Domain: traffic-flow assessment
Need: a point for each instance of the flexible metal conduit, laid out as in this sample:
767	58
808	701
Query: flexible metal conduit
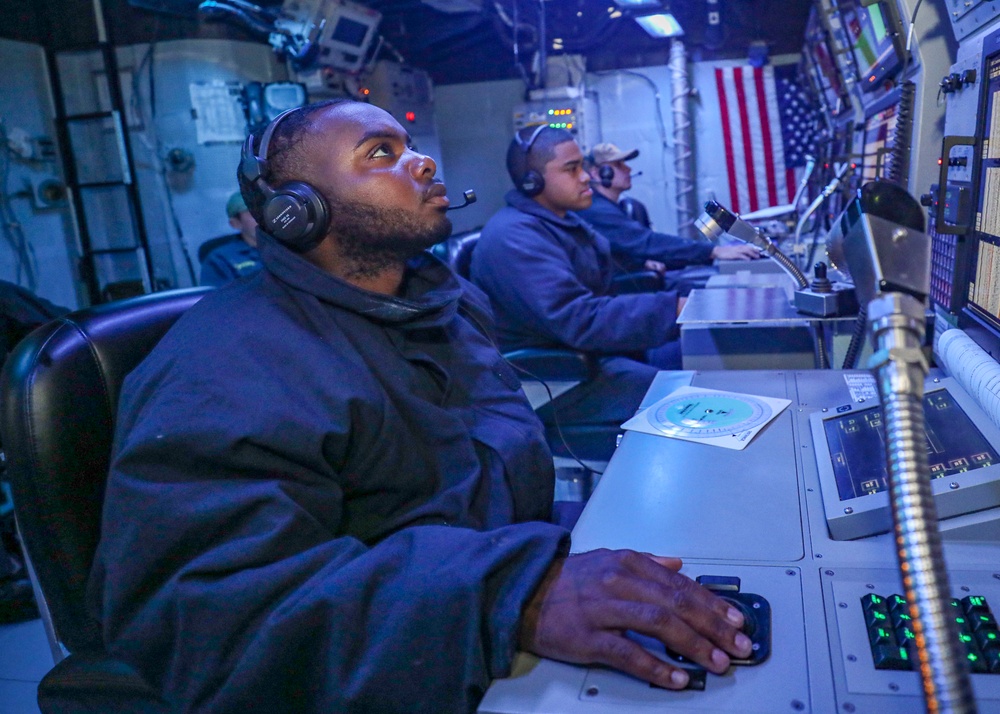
683	157
897	323
785	262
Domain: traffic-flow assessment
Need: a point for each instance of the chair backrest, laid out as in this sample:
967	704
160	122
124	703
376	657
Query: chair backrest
635	210
462	257
457	251
59	393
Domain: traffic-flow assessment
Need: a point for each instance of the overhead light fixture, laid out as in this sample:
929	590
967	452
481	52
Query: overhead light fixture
660	25
639	4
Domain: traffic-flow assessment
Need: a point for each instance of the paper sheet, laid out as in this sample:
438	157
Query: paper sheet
708	416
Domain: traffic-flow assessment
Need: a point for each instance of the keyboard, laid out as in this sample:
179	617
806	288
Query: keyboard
892	640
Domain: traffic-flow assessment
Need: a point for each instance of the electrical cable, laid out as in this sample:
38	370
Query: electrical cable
819	346
155	148
857	340
13	231
481	328
516	43
555	415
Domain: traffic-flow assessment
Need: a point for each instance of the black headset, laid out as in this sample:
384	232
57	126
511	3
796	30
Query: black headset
531	182
294	212
607	174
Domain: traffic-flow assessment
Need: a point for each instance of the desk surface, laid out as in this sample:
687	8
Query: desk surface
757	514
760	305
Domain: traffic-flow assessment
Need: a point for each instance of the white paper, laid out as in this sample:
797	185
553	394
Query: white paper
218	113
708	416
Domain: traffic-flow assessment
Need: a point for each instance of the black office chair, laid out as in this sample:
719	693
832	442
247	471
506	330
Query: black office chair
636	210
59	391
554	367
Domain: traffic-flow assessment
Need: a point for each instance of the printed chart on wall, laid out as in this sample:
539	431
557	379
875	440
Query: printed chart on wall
712	417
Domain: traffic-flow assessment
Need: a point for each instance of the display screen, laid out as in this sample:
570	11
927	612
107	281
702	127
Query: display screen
824	68
984	289
874	41
350	32
880	130
857	445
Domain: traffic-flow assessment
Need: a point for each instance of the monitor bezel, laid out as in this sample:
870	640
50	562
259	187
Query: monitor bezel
872	78
817	27
955	495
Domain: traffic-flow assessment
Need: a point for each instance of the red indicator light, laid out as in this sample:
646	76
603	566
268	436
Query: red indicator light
365	91
410	116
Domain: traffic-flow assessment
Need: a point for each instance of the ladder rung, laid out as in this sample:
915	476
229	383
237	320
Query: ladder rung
101	184
88	116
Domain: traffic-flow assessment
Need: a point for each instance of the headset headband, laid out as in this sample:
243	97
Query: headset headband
527	144
265	140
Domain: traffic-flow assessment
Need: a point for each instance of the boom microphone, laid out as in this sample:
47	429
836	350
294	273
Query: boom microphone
470	198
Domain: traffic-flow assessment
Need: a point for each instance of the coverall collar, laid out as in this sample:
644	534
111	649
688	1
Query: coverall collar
430	291
532	207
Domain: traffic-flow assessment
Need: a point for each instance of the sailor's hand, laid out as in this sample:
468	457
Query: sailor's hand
741	251
586	602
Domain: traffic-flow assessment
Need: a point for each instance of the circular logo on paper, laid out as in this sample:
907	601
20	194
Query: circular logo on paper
709	414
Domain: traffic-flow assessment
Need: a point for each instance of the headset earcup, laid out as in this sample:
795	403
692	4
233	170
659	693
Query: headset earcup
532	183
607	175
297	216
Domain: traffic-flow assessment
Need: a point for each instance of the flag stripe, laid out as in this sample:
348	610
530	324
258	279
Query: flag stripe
774	126
727	137
764	105
741	100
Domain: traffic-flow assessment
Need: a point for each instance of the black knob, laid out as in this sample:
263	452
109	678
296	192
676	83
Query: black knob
951	83
821	283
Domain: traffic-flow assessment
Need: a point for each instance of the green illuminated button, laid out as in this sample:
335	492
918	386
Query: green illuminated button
898	603
982	622
977	664
881	636
988	639
975	605
889	657
877	618
992	659
905	634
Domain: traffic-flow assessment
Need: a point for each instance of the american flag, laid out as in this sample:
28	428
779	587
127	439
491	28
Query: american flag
768	126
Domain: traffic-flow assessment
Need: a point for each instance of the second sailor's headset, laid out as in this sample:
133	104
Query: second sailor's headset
530	183
293	212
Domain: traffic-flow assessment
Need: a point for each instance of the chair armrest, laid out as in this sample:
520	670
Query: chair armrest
646	281
95	682
552	364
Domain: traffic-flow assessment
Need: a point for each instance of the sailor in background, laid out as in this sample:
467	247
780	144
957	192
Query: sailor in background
634	244
232	256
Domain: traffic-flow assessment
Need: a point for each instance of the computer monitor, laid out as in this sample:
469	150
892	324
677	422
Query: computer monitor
878	137
876	37
823	67
963	448
349	30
